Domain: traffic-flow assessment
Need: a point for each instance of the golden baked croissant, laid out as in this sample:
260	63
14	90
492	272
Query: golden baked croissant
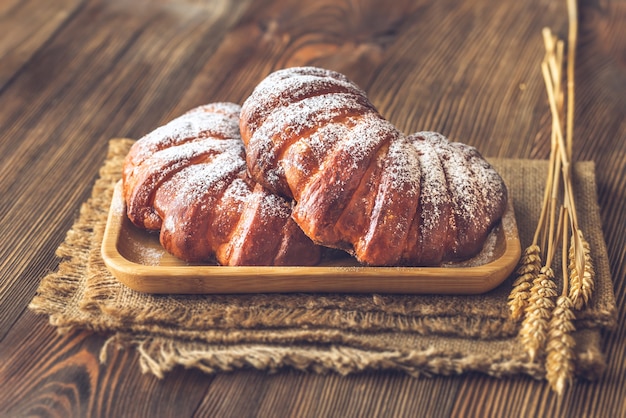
188	179
358	183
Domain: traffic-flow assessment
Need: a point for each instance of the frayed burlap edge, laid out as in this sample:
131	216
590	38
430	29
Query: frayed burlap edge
60	294
160	355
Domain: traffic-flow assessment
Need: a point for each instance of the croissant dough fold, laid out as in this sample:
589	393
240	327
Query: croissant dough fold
188	179
358	183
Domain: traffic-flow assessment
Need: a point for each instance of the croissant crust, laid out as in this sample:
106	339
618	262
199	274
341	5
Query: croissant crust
358	183
188	179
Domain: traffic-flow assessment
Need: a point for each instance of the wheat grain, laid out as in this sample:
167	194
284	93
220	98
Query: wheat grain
560	346
533	332
581	286
527	271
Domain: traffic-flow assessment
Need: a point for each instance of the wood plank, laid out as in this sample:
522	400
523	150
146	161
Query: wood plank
272	35
478	82
44	373
298	394
19	41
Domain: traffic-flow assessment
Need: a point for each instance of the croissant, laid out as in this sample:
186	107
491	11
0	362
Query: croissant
358	183
188	179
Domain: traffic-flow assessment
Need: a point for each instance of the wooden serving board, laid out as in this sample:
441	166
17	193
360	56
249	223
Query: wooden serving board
136	258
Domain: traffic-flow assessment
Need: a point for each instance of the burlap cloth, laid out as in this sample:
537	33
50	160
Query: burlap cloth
420	335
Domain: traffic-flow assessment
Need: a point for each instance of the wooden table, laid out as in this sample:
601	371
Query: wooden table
74	73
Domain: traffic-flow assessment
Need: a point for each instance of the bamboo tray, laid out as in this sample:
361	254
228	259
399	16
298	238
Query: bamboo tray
136	258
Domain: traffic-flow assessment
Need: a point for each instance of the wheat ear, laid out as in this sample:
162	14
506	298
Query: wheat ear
533	332
527	271
560	346
581	285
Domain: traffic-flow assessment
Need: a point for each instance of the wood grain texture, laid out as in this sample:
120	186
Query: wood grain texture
62	377
20	42
74	73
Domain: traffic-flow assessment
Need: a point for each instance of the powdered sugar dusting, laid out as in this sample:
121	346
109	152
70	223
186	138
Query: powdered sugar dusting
148	176
147	256
477	191
403	167
302	120
197	180
298	118
492	187
364	135
434	194
238	191
191	150
219	121
291	85
325	131
464	190
359	139
182	173
273	206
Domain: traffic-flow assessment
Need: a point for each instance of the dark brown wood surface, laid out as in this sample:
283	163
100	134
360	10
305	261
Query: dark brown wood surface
74	73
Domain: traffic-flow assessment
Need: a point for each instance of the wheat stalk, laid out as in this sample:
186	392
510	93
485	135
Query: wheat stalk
530	263
534	290
572	12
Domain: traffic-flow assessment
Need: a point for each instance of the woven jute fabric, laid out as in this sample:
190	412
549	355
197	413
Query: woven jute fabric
345	333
